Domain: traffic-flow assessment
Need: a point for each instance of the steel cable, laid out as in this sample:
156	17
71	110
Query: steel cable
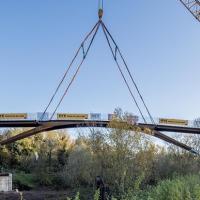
75	74
123	76
128	70
66	72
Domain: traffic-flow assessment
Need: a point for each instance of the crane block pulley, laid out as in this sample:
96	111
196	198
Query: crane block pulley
100	11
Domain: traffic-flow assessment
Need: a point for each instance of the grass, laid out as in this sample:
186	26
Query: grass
23	181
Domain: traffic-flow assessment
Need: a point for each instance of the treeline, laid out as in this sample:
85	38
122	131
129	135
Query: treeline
127	161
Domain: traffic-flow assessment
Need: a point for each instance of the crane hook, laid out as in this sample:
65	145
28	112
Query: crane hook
100	12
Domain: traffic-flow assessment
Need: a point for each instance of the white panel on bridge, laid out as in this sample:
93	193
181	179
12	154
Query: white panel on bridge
5	182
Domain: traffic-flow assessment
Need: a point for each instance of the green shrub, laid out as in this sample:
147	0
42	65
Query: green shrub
24	181
96	195
44	179
187	188
77	197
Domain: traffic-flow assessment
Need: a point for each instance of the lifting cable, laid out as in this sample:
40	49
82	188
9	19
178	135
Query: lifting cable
114	53
78	69
69	67
124	78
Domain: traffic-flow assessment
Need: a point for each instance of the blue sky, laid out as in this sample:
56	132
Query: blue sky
160	41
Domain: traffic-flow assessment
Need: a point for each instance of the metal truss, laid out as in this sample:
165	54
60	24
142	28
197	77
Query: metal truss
193	6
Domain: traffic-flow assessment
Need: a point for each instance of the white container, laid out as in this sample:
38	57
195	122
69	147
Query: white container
5	182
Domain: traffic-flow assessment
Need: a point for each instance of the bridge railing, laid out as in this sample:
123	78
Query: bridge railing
95	116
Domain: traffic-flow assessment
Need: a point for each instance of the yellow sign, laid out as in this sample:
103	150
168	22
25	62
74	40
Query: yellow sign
67	116
173	121
13	116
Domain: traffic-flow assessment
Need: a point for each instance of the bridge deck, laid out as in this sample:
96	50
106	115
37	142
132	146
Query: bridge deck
42	126
82	123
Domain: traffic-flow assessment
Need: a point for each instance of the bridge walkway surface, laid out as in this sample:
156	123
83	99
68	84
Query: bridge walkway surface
62	124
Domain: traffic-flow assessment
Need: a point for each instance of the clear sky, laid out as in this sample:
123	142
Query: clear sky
160	40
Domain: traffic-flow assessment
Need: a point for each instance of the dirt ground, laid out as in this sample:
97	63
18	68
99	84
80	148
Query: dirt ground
34	195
